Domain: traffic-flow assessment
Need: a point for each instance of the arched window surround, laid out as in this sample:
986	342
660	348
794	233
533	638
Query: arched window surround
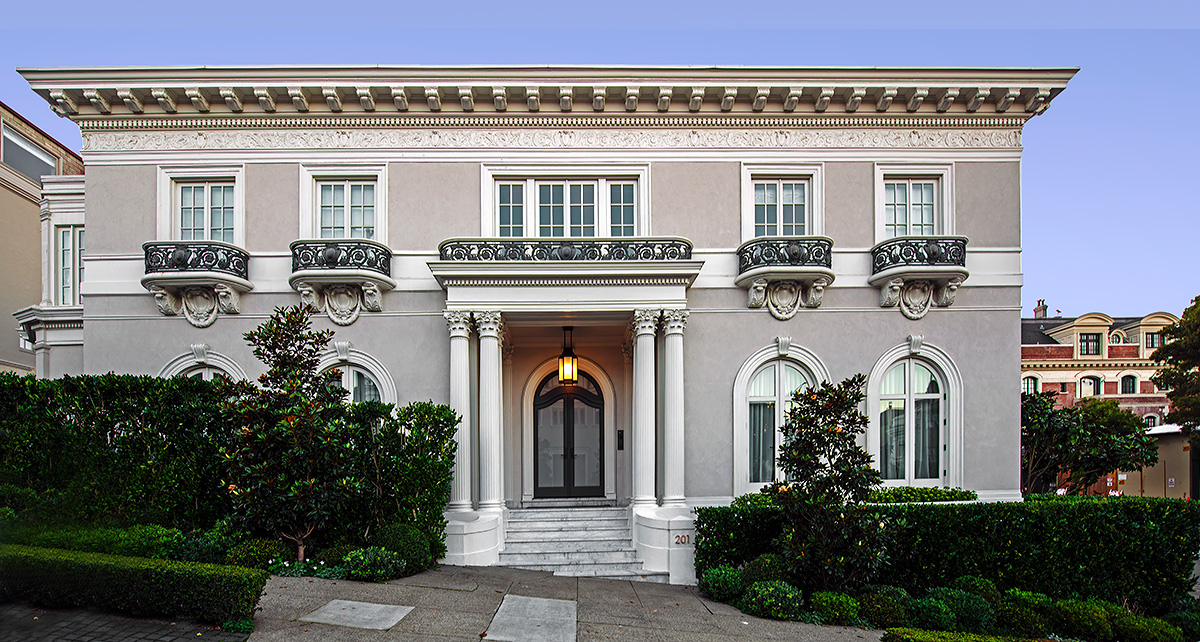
781	349
201	356
344	355
1099	387
945	367
1037	382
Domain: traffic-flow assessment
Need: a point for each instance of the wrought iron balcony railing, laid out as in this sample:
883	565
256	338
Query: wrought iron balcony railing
341	254
797	251
573	249
912	251
196	256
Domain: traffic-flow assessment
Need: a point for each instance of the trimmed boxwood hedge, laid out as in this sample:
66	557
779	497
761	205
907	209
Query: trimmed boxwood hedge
134	585
918	635
1139	550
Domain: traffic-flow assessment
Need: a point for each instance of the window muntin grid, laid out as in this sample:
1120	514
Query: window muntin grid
911	416
1029	385
780	207
206	211
1129	385
566	208
346	209
70	263
1089	343
909	207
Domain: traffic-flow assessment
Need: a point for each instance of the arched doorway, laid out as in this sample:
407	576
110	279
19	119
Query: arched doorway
568	436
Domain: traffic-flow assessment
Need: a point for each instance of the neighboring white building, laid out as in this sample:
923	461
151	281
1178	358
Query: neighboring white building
715	237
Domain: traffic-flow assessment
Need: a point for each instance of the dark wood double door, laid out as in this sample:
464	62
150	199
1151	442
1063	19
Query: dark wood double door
568	433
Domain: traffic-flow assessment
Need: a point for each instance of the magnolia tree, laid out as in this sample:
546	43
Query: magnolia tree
1180	375
831	540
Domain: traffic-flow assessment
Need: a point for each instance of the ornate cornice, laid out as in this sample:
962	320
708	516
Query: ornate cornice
551	138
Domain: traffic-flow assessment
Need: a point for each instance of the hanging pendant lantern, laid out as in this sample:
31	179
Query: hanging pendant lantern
568	363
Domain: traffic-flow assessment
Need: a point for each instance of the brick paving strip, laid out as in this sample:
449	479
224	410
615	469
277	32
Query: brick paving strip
21	622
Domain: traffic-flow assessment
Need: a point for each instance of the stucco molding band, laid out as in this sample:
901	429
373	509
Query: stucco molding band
540	139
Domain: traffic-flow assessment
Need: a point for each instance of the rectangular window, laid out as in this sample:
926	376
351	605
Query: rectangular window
206	212
1089	343
909	207
70	263
566	208
1153	339
347	209
780	207
21	154
1128	385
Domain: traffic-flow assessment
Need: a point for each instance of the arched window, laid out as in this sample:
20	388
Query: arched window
1090	387
360	383
1151	421
1129	385
769	396
911	418
1029	385
206	372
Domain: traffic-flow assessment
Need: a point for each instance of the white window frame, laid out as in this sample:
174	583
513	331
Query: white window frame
1146	420
343	357
942	175
310	205
74	234
1037	383
493	175
811	173
1099	388
910	397
8	135
171	178
781	399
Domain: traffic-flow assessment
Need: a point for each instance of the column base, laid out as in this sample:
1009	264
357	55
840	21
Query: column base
459	506
473	538
643	501
665	540
674	502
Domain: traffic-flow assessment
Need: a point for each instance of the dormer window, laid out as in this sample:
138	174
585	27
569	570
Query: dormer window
1089	343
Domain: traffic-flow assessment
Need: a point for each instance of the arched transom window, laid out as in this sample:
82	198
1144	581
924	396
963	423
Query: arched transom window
769	396
207	372
362	386
1089	387
911	421
1029	385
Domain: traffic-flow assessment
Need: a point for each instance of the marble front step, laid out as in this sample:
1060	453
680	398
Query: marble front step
575	514
524	525
580	542
592	544
585	569
570	557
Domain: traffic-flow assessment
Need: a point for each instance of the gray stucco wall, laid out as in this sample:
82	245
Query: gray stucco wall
272	204
430	202
698	201
121	208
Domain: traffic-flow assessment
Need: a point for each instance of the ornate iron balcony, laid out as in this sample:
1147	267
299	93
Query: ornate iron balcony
196	256
574	249
933	251
813	251
341	254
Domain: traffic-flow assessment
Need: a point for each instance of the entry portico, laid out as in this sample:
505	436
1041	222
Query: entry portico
621	297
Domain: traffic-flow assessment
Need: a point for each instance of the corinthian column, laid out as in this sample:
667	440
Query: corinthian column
491	492
460	401
674	322
644	323
47	255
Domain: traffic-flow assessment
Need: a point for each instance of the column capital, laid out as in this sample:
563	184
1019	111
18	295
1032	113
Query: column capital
645	321
675	320
459	322
489	324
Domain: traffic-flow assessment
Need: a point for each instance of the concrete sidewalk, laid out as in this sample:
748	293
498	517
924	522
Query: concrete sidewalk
465	603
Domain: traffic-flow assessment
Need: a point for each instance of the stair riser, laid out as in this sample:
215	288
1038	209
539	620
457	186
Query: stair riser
568	536
587	557
582	513
577	570
568	546
529	525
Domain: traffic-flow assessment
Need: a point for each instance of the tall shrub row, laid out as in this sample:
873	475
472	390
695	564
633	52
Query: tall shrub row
1127	549
129	449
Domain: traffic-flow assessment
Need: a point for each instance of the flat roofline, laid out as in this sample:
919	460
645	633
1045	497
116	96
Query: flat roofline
41	131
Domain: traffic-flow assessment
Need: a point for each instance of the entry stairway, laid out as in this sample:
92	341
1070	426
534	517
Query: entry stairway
576	542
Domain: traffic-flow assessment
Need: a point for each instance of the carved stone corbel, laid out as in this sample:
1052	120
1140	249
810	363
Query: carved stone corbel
342	303
943	295
229	300
889	294
310	296
758	294
168	304
814	293
372	297
199	305
783	299
916	297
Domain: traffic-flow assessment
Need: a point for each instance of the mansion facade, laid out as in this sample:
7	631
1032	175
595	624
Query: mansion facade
704	241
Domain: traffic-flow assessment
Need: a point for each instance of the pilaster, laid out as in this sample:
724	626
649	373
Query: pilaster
673	322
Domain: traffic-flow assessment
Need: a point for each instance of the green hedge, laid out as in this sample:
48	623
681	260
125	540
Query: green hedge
1125	549
137	541
133	585
909	494
918	635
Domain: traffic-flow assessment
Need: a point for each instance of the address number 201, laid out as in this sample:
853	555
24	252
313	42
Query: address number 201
681	539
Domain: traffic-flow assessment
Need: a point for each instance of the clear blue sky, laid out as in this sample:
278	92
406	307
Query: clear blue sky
1111	221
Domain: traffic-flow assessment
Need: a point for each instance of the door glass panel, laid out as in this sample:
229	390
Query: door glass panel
763	384
925	436
762	441
587	454
551	471
891	437
923	380
893	381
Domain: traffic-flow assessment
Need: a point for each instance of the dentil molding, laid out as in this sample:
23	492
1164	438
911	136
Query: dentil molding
550	139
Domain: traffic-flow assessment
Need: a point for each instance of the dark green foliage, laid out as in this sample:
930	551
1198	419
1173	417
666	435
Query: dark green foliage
984	588
373	564
335	554
911	494
122	448
1132	628
406	541
312	568
733	536
135	541
1186	621
238	626
767	567
211	546
1135	550
776	600
1020	621
830	540
881	611
931	613
896	593
972	613
258	553
133	585
1037	602
1081	619
16	497
752	500
835	608
723	584
919	635
1179	357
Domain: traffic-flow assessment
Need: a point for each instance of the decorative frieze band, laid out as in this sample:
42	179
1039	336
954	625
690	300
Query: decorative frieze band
551	139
